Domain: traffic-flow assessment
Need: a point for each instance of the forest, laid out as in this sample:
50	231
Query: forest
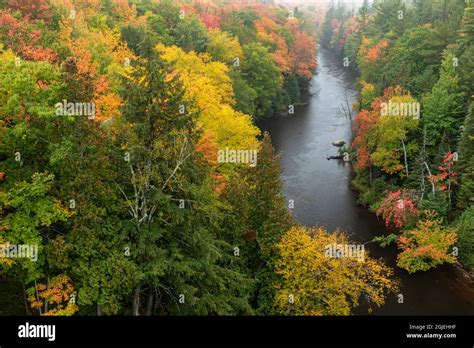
417	53
134	179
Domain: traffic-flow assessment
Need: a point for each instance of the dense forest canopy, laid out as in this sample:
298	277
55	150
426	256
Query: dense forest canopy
131	163
412	143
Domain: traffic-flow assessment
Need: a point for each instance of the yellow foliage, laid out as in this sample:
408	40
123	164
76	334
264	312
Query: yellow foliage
5	262
209	89
314	283
223	47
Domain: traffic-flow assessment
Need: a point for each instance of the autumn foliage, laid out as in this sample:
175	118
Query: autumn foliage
57	297
314	284
427	245
398	208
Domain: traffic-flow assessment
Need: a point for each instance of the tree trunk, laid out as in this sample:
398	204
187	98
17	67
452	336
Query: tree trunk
99	310
37	298
405	157
370	175
422	182
149	306
449	188
46	307
136	301
25	301
432	181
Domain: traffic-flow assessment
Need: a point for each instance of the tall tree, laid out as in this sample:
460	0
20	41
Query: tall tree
173	222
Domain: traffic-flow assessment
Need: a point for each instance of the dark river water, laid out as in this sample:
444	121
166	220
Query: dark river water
322	196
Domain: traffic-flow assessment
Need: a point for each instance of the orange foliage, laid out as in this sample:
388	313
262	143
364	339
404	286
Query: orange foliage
32	9
23	39
303	56
365	121
208	148
372	52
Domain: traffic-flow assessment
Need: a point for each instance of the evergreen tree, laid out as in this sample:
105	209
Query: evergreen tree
182	266
443	107
467	27
465	195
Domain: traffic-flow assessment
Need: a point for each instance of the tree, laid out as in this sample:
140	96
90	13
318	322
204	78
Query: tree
57	297
210	89
244	94
292	88
165	190
241	23
211	21
413	62
465	242
224	48
466	34
32	9
21	36
443	106
256	219
190	34
302	53
314	283
262	75
398	208
426	246
387	16
381	135
465	194
29	215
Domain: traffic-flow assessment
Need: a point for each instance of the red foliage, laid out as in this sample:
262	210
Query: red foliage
335	23
446	175
363	124
302	54
211	21
398	208
23	39
32	9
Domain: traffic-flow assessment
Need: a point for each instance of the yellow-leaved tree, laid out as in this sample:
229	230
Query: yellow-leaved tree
224	48
209	88
313	282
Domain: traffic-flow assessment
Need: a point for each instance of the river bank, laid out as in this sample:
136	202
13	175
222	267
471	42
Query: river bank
322	193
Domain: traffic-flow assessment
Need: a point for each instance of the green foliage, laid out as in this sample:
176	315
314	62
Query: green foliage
442	108
244	94
436	202
164	170
292	88
29	213
414	61
386	240
465	229
259	219
262	75
190	34
465	194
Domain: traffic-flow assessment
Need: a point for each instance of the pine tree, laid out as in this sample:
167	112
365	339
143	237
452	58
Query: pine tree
259	219
466	34
183	267
442	108
465	195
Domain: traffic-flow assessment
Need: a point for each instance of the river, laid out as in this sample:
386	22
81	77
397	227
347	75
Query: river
322	196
